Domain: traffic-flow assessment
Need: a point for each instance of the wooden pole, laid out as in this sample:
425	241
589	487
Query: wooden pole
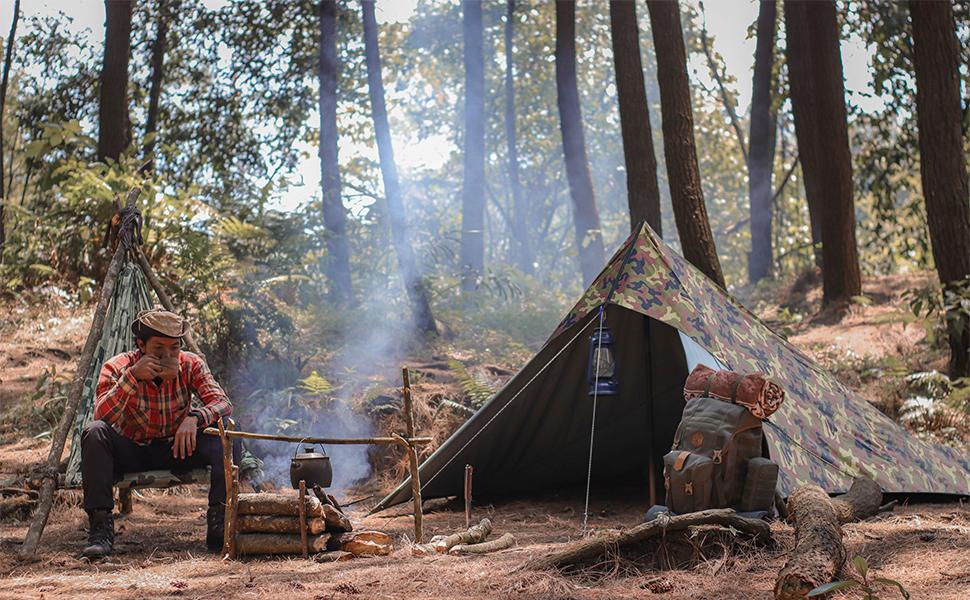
146	268
46	501
227	472
412	456
315	440
468	496
303	540
234	512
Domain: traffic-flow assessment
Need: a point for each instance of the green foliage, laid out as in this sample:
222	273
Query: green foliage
868	586
477	391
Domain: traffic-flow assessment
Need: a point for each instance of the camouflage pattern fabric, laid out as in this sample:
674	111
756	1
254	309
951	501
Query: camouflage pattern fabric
823	433
131	296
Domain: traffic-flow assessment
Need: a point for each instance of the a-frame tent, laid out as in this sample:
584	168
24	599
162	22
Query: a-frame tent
666	316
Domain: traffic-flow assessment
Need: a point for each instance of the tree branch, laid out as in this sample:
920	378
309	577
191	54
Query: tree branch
725	95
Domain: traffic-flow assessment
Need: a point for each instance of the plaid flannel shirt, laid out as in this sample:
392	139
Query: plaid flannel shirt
143	411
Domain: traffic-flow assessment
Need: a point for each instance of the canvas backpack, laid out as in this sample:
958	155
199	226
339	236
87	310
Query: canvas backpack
707	465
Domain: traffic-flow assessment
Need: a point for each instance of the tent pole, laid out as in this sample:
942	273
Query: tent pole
46	501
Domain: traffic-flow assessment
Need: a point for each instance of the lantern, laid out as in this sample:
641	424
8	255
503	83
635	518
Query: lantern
601	367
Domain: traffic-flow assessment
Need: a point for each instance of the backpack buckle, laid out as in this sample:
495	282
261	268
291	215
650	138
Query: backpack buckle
716	459
689	488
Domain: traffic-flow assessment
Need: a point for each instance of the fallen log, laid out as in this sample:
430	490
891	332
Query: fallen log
819	553
363	543
599	545
506	541
268	503
279	524
276	543
473	535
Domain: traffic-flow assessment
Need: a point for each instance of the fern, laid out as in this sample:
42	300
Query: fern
316	384
477	392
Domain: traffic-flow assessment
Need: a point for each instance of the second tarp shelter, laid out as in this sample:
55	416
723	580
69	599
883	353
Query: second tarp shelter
666	316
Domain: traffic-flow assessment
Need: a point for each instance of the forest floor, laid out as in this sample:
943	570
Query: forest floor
926	547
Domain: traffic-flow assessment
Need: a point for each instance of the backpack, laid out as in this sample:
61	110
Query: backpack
708	462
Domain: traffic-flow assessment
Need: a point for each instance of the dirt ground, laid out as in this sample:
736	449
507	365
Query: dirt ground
161	551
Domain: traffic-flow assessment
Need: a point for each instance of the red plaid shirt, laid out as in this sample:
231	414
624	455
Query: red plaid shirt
143	411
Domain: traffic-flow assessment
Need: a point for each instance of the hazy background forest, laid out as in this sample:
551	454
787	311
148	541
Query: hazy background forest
217	116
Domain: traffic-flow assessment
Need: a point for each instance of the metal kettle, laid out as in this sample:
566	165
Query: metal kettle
312	467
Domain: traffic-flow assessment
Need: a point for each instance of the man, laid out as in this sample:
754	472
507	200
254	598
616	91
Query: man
144	419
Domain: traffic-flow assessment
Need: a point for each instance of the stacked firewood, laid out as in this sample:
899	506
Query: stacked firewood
273	523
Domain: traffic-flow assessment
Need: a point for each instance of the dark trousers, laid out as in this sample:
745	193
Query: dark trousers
107	455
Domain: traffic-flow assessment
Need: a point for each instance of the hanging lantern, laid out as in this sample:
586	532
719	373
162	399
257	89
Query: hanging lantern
601	367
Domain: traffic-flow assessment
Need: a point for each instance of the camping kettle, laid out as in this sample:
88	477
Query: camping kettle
312	467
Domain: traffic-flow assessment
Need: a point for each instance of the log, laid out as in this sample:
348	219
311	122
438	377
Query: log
276	543
270	503
472	535
819	553
365	543
599	545
336	521
506	541
279	524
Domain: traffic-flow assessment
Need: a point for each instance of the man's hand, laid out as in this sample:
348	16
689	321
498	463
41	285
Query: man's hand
184	444
147	368
169	368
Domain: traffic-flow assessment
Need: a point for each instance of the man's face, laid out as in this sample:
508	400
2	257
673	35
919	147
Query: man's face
163	348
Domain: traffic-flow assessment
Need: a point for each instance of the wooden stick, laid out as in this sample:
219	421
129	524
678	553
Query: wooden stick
468	496
46	501
234	519
146	268
412	457
473	535
315	440
506	541
227	473
303	542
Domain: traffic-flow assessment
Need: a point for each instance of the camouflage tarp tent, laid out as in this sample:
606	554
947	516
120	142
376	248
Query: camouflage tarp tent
665	317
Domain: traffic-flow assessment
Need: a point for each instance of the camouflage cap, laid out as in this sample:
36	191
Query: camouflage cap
164	322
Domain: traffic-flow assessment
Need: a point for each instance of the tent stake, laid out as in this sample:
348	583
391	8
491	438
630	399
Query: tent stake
468	495
46	501
412	456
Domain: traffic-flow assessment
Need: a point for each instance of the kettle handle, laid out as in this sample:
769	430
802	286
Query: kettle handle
300	443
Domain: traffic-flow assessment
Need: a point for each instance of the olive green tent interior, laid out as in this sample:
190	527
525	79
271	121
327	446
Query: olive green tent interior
665	317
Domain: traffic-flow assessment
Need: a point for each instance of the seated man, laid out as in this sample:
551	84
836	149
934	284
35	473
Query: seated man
144	420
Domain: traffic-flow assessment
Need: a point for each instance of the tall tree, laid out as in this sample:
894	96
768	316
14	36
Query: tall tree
943	164
413	284
167	9
472	250
589	236
818	103
7	60
114	124
334	214
761	156
677	116
520	210
643	191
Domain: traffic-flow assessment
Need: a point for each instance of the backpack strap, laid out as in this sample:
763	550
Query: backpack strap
707	386
734	390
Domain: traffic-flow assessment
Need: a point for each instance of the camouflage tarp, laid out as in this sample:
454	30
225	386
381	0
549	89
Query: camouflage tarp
534	434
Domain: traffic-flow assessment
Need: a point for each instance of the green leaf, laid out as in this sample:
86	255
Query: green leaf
35	148
832	587
861	566
891	582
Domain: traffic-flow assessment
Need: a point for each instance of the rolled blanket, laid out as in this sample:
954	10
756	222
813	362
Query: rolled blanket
754	391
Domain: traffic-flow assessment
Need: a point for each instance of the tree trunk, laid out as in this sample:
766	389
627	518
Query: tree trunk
334	214
943	164
683	175
413	284
166	11
472	250
114	125
589	236
520	209
761	156
818	102
7	59
642	189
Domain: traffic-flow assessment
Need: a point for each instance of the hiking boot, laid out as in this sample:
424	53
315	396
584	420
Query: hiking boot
215	527
101	534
